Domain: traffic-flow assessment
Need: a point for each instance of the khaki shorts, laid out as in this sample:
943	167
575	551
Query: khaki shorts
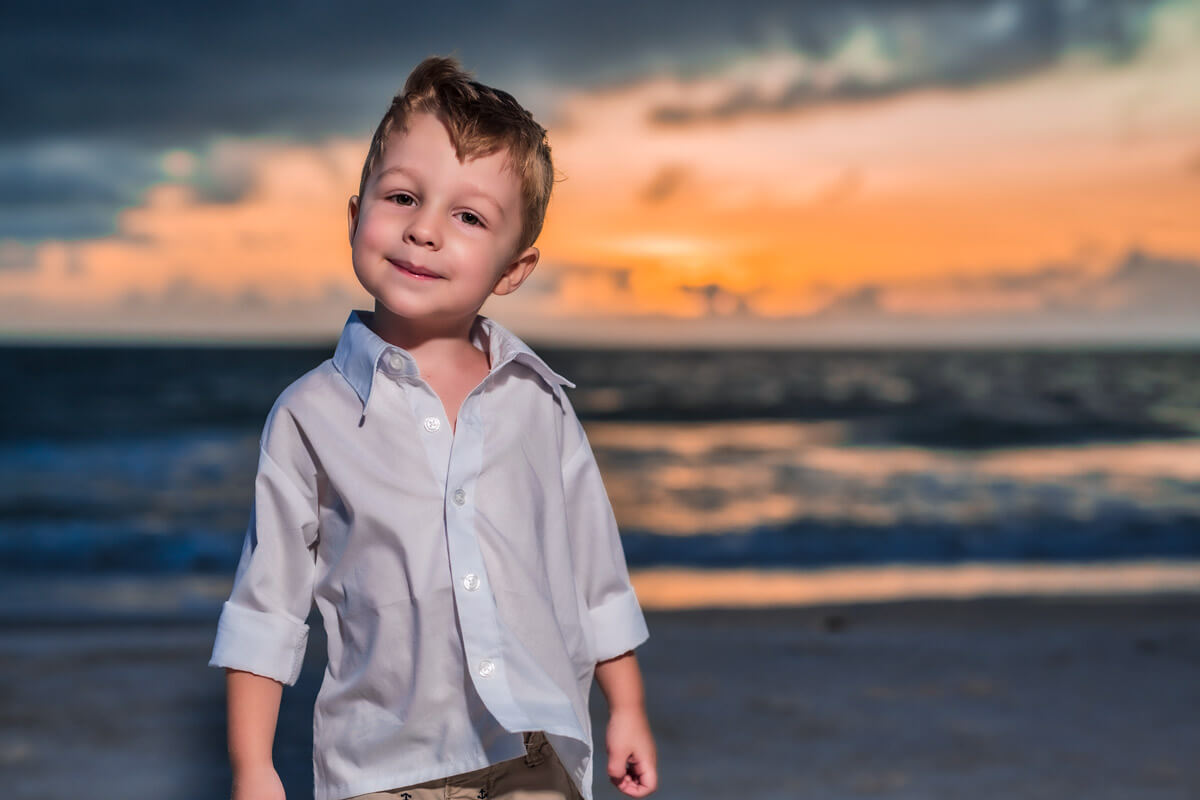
537	775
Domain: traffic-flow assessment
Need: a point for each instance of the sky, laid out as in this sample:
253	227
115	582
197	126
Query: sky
752	173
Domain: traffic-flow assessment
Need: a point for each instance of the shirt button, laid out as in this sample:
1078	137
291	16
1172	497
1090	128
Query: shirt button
432	424
471	581
395	360
460	497
486	667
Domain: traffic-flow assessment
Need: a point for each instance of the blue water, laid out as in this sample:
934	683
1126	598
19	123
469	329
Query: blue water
141	459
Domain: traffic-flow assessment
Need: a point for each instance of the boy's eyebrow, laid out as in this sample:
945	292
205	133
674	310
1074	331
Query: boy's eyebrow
471	188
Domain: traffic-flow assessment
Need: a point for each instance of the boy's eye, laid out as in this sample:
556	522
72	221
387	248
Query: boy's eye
469	218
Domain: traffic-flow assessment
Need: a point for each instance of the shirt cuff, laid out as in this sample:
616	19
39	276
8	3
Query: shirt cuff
618	625
256	641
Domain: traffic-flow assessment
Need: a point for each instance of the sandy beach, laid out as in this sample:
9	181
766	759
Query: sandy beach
999	698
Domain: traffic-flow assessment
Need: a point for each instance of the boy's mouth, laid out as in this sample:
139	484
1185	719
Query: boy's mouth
414	270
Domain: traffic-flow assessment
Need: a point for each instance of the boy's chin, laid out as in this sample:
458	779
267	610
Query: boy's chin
383	309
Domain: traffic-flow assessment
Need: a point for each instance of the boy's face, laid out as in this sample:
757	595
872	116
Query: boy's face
459	222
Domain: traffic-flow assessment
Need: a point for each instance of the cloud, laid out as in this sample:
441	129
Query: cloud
69	189
1144	283
15	255
888	51
861	301
1140	286
668	180
119	90
618	277
719	301
284	238
844	223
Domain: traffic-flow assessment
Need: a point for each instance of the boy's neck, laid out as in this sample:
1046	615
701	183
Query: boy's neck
429	341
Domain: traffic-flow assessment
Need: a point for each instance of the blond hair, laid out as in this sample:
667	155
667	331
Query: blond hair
480	121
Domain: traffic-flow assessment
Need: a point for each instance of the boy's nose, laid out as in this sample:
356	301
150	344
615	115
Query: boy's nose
421	235
422	227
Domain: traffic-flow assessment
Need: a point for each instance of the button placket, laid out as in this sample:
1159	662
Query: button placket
477	609
428	414
481	628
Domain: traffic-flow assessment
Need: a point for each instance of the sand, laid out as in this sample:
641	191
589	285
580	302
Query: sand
1003	698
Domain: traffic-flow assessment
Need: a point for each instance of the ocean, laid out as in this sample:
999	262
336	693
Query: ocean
127	462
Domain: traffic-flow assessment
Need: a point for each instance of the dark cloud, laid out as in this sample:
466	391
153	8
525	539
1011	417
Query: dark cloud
67	220
173	74
1139	286
949	46
668	180
17	256
251	298
721	302
122	83
69	189
1041	279
862	300
1139	282
618	275
1155	284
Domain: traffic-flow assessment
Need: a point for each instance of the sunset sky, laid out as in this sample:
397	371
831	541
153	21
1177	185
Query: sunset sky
749	173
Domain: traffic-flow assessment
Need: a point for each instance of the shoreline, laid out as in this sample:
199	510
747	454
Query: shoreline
1032	697
32	599
782	613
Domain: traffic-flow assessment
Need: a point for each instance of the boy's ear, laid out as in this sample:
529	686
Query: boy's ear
517	271
352	216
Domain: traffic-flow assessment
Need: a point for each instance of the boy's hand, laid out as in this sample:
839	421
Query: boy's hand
260	782
632	759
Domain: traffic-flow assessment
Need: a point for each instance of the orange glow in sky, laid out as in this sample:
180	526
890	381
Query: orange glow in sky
780	214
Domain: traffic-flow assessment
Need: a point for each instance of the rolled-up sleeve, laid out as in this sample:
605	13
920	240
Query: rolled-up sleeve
614	623
261	628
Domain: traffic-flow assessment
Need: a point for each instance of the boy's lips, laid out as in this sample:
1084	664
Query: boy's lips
414	269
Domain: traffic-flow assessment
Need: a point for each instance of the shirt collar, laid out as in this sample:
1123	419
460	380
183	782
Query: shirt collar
359	350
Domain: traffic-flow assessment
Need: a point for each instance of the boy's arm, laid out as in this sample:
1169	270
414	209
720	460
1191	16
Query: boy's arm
262	626
621	681
262	633
253	710
632	756
613	619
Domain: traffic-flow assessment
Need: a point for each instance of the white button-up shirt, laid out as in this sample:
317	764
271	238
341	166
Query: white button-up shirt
468	580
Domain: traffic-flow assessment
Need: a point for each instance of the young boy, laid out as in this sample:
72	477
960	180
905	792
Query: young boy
431	490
